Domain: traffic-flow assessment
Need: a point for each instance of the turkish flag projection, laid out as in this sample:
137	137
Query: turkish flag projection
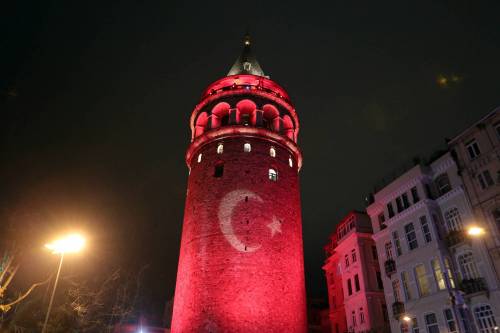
241	261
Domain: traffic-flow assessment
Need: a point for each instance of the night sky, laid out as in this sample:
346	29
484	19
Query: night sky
95	99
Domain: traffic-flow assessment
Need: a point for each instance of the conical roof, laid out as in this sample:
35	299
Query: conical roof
246	62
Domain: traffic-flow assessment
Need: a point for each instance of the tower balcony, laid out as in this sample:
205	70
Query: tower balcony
390	267
472	286
398	309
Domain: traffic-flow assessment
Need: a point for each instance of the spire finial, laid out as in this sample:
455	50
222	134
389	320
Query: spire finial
246	63
246	39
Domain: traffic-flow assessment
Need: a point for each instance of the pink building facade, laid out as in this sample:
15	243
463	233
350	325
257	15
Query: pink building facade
353	264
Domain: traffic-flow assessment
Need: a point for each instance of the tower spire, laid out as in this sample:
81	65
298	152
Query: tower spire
246	62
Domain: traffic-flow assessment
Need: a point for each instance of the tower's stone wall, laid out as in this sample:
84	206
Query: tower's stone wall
241	264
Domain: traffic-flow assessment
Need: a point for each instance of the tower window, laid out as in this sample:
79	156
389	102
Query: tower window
273	175
290	162
220	148
199	157
247	148
219	170
272	152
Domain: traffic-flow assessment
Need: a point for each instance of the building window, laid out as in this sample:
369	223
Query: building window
468	267
405	278
443	183
424	287
220	148
388	250
380	284
485	179
453	220
374	253
361	316
414	326
353	255
199	157
272	152
399	204
346	260
219	170
356	282
290	162
485	319
450	321
411	236
349	287
438	274
390	210
381	220
431	323
425	229
247	147
353	313
397	243
414	195
406	202
464	318
396	290
273	175
449	272
473	149
496	217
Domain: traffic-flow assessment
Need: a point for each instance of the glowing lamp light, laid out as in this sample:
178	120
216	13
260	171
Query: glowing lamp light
407	319
475	231
70	244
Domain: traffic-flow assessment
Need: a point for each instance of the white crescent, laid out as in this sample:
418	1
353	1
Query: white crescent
226	207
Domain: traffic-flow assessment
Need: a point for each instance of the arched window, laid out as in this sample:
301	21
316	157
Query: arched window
272	152
290	162
453	220
199	157
247	148
220	148
273	175
468	267
219	170
485	319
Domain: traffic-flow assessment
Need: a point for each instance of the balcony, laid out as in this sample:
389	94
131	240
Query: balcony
390	267
398	309
455	237
472	286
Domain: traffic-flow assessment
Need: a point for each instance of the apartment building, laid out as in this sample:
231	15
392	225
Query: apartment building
436	276
354	280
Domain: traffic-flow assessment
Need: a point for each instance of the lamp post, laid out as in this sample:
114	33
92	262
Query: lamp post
69	244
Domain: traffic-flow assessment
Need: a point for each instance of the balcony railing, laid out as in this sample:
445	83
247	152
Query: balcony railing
390	267
398	309
455	237
471	286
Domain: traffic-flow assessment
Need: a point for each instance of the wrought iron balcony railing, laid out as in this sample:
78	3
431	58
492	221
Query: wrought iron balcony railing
455	237
471	286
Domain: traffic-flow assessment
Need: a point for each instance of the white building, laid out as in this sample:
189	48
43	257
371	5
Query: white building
477	150
419	222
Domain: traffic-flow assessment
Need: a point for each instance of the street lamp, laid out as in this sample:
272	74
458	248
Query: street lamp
475	231
69	244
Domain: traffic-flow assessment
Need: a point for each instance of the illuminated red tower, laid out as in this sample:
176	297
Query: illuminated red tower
241	260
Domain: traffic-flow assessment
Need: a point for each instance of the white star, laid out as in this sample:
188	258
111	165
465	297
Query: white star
274	226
